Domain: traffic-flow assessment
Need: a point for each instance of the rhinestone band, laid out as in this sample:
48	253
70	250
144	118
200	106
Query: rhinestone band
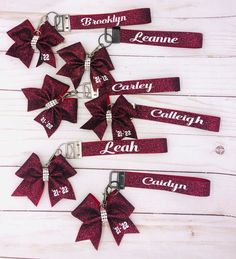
108	116
34	41
87	62
103	215
45	174
51	104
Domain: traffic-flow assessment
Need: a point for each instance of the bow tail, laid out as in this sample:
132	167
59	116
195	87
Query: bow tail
46	55
120	227
92	232
32	188
101	79
58	189
50	120
123	129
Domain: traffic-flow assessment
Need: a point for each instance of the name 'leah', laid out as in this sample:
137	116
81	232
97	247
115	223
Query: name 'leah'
141	38
86	21
121	87
110	148
174	115
174	186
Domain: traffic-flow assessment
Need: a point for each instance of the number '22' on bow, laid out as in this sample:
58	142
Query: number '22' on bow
116	211
27	39
34	178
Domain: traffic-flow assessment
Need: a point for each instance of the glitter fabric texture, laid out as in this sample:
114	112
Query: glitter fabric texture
32	186
22	49
64	109
118	211
121	113
100	65
180	184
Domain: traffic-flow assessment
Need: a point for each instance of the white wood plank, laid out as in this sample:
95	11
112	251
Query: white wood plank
198	76
52	235
163	8
217	32
13	110
95	181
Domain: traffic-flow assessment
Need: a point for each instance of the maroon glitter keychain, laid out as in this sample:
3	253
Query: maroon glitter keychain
115	209
27	39
174	39
120	116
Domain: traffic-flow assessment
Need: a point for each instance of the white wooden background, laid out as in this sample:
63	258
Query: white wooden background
171	225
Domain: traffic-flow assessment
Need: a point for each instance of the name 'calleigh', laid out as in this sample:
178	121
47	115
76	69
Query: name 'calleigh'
86	21
174	186
141	38
174	115
110	148
121	87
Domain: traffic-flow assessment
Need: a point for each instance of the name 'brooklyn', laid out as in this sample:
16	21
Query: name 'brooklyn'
86	21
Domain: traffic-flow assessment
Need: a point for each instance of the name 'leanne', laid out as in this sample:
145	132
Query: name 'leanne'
141	38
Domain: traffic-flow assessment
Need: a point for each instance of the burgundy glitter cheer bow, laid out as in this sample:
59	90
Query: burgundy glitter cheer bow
57	106
27	39
116	211
77	61
34	175
120	114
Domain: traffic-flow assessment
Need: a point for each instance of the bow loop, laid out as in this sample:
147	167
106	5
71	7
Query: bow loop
32	167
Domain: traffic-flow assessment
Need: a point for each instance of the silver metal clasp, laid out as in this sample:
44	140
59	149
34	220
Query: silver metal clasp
62	22
117	180
73	150
88	91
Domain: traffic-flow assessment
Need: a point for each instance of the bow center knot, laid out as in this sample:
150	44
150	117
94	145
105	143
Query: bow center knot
103	215
51	103
87	62
34	41
108	116
45	174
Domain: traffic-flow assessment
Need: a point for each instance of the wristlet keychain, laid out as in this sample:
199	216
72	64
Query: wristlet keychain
174	39
121	113
57	170
61	103
116	209
45	36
